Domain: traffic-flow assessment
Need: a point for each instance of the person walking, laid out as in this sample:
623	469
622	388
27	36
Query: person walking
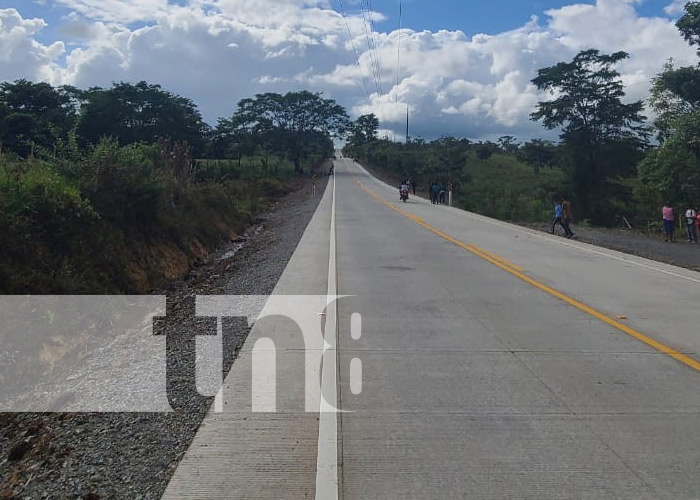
443	192
434	193
669	217
413	186
691	221
558	216
568	211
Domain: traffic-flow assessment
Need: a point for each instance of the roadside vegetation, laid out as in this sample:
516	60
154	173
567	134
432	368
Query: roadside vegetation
119	190
616	165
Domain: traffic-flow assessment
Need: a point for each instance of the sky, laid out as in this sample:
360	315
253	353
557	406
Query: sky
461	67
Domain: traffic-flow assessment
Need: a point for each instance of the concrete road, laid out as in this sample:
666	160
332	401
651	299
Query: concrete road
497	363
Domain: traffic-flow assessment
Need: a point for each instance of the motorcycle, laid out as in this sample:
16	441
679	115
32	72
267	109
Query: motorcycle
404	195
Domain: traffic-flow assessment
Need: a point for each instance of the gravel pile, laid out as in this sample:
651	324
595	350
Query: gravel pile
132	456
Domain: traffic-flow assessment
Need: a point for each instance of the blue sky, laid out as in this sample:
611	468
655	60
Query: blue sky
456	83
470	16
481	16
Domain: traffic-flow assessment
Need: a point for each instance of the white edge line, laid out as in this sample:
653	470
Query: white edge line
581	246
327	457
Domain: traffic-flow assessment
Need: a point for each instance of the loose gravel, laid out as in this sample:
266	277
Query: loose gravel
132	456
653	247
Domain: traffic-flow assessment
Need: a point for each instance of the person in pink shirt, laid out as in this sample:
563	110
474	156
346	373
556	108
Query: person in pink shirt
669	222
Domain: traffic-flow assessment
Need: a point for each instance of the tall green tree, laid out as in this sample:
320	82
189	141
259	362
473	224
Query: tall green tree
364	130
672	171
34	115
295	122
233	138
675	92
140	113
598	129
689	24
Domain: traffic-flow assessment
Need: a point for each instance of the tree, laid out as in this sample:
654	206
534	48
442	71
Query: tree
361	133
508	144
34	115
485	150
294	122
672	171
689	24
539	154
451	156
595	124
675	92
140	113
233	137
364	130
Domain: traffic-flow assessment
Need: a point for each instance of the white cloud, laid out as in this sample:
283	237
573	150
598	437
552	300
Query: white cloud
123	11
676	7
220	51
21	56
481	86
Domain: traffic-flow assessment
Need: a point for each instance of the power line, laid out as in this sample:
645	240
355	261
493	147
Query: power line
368	39
374	42
398	56
354	49
369	44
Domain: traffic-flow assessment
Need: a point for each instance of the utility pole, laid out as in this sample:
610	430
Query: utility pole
407	118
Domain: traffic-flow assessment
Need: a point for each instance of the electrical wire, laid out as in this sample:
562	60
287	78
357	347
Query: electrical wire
374	43
370	48
354	48
398	55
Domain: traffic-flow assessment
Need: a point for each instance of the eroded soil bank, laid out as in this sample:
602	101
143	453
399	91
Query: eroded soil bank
131	455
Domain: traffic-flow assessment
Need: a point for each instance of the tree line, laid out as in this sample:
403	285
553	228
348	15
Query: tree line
610	159
121	189
37	118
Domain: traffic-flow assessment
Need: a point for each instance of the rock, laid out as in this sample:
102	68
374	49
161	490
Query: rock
18	451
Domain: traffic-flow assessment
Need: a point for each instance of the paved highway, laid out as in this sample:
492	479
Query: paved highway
497	363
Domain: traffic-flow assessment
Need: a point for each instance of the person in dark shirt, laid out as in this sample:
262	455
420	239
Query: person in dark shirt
568	212
434	193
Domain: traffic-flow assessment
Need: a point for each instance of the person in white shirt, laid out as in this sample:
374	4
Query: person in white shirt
691	224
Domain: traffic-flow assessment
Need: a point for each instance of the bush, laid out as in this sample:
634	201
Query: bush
102	220
46	230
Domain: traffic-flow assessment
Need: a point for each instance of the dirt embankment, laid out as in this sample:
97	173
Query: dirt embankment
133	455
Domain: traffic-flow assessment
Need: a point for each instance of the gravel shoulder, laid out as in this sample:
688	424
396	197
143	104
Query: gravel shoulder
679	254
131	455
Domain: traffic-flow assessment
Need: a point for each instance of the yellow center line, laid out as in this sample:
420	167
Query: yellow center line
518	271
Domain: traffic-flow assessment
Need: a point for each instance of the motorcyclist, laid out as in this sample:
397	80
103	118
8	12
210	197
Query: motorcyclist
403	187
